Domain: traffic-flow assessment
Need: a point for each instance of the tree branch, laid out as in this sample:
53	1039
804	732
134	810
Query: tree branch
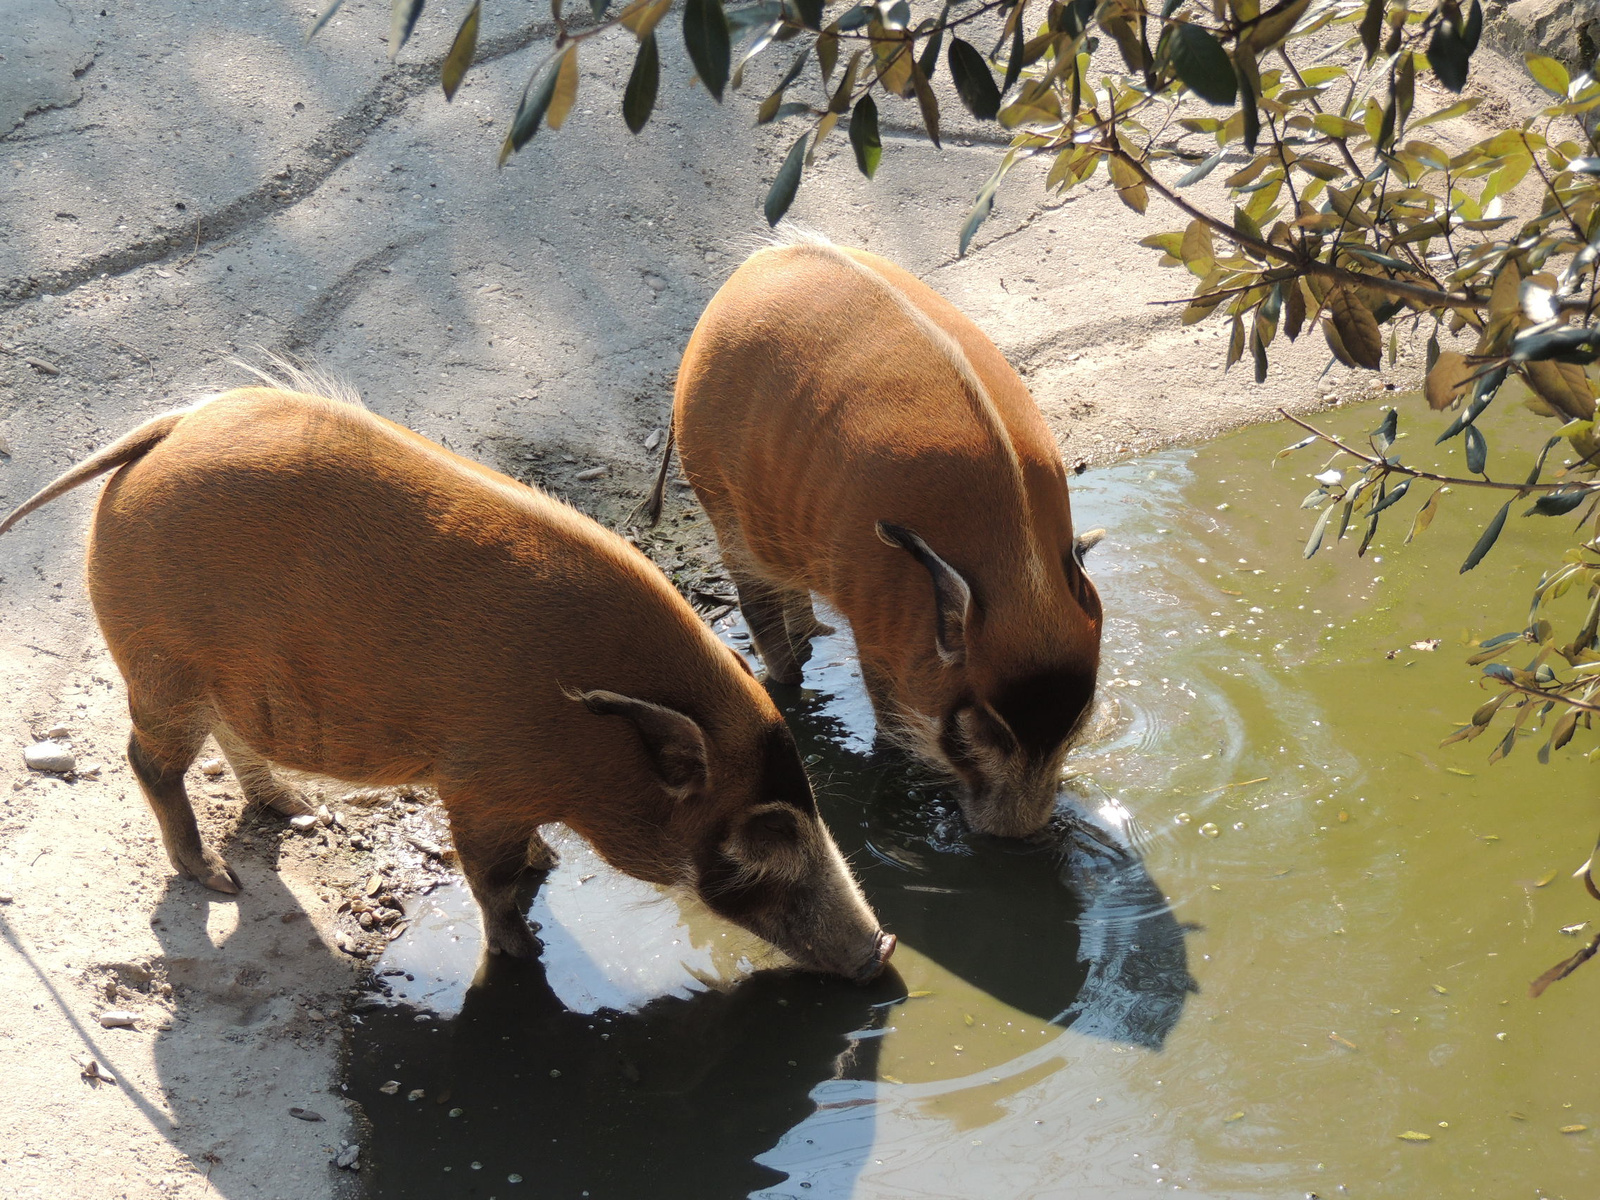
1426	296
1370	460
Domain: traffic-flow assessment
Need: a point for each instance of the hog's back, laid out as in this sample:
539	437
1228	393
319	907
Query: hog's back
354	600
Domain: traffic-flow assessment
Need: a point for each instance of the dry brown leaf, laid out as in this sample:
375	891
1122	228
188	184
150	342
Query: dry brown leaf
1447	379
1358	328
1564	386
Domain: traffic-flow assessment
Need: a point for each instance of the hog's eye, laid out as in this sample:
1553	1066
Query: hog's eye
772	826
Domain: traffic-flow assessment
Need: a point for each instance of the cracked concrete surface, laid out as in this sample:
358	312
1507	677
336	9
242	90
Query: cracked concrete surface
43	53
211	186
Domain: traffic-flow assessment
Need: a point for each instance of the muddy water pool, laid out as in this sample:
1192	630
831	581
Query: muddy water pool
1326	942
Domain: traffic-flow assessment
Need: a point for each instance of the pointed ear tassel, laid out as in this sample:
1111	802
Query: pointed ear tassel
952	597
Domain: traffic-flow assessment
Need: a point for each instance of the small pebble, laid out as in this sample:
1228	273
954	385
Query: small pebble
513	1178
323	816
49	756
390	1088
213	767
91	770
305	1114
654	440
591	473
346	1158
58	731
118	1019
456	1112
303	821
415	1094
654	282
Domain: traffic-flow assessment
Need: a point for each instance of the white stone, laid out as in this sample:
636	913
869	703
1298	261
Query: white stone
213	767
49	756
118	1019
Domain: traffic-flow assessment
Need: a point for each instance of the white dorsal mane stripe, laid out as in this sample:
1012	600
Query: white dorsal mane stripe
979	396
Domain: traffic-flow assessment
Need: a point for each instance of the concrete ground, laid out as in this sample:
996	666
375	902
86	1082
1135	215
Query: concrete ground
182	183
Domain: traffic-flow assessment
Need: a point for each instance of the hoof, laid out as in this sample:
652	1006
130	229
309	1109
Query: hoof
289	804
225	880
513	941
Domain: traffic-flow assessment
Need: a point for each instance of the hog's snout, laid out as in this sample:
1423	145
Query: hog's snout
880	958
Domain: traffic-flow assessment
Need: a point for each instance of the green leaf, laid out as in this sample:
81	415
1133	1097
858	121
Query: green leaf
1558	504
705	36
1577	344
1477	450
639	98
1393	497
461	52
1314	542
403	16
1449	56
530	110
1372	26
1383	436
1487	540
864	139
985	201
974	84
769	106
1014	60
1548	74
1197	173
787	182
1202	64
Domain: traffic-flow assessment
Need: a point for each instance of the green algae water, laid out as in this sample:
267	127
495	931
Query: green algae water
1312	979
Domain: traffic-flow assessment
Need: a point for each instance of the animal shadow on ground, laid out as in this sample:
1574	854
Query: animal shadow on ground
239	968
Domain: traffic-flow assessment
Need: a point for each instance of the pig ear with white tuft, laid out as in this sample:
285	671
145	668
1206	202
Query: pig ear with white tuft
1085	542
952	597
674	742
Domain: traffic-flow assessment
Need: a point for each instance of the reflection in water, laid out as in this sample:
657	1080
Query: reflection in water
644	1056
1372	906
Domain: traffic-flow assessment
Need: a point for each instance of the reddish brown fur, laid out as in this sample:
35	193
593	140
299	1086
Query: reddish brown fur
812	405
334	593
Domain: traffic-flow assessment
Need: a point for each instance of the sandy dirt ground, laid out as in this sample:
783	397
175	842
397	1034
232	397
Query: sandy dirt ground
181	183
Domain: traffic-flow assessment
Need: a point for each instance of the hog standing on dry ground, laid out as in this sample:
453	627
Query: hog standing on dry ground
851	434
326	590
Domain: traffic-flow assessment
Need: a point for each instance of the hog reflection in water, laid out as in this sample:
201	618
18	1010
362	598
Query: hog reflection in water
608	1068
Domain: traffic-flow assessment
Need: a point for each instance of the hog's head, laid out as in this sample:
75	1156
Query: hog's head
1013	682
743	832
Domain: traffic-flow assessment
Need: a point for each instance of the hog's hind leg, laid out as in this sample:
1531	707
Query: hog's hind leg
160	751
256	780
764	605
504	864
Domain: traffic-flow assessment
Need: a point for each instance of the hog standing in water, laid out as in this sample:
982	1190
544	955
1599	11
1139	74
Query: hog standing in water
851	434
323	589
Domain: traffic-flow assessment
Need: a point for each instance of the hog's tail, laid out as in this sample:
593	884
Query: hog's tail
126	449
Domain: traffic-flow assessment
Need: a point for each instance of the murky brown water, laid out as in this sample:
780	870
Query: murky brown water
1362	927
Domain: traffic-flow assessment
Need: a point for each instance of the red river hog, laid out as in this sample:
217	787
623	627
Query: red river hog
852	435
324	590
